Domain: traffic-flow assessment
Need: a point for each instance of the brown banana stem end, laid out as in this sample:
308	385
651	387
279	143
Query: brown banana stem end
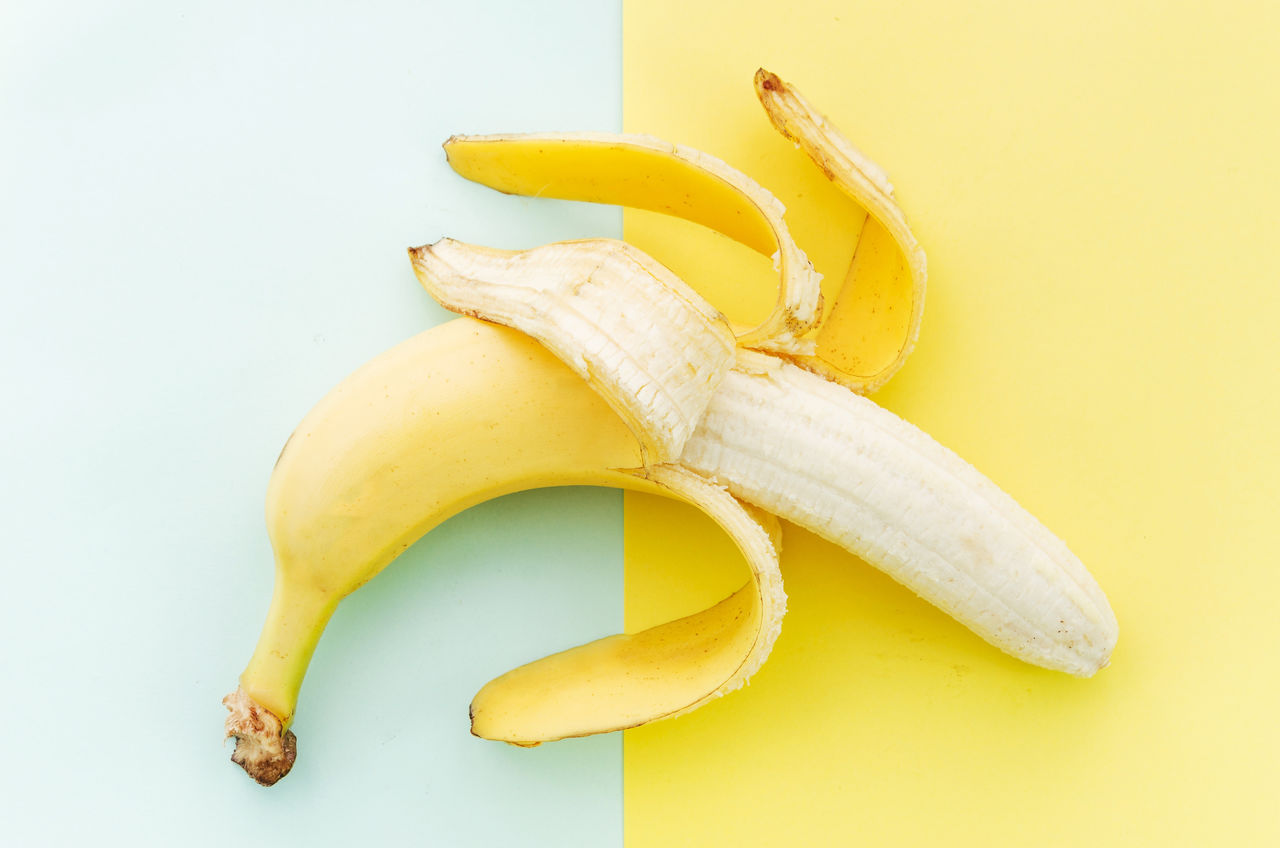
263	748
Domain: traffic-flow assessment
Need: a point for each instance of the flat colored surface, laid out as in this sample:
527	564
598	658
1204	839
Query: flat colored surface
203	223
1095	188
203	216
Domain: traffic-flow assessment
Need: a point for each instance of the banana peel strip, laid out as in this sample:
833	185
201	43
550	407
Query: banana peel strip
628	680
640	337
653	348
644	172
868	185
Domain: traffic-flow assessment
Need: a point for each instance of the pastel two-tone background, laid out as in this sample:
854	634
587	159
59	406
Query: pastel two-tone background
203	216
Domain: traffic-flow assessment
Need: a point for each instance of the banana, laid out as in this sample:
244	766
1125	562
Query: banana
468	411
590	363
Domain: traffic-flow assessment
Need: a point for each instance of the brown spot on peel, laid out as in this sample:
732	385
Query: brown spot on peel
768	81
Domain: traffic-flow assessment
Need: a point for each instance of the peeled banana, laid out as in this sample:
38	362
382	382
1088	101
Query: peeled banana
590	363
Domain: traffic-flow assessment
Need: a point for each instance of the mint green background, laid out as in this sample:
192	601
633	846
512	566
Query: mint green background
203	216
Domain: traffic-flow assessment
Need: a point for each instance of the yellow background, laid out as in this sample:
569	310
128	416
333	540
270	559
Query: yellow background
1095	185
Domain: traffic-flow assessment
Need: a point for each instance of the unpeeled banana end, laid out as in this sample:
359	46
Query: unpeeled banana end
264	749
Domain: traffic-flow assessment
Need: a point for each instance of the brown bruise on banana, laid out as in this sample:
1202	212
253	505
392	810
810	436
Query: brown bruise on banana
264	749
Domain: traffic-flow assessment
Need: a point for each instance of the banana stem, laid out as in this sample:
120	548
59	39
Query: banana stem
262	707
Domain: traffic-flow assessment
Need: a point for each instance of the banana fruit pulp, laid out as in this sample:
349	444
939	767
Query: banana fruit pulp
590	363
837	464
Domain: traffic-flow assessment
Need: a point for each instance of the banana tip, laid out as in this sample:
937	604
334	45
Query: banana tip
768	80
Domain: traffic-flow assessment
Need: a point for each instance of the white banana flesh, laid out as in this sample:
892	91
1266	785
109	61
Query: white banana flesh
652	347
834	462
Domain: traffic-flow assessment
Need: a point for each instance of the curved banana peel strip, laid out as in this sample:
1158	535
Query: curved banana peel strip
644	172
628	680
641	338
873	325
652	347
835	463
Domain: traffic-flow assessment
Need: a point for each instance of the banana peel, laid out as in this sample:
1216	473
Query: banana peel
872	327
658	375
665	671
